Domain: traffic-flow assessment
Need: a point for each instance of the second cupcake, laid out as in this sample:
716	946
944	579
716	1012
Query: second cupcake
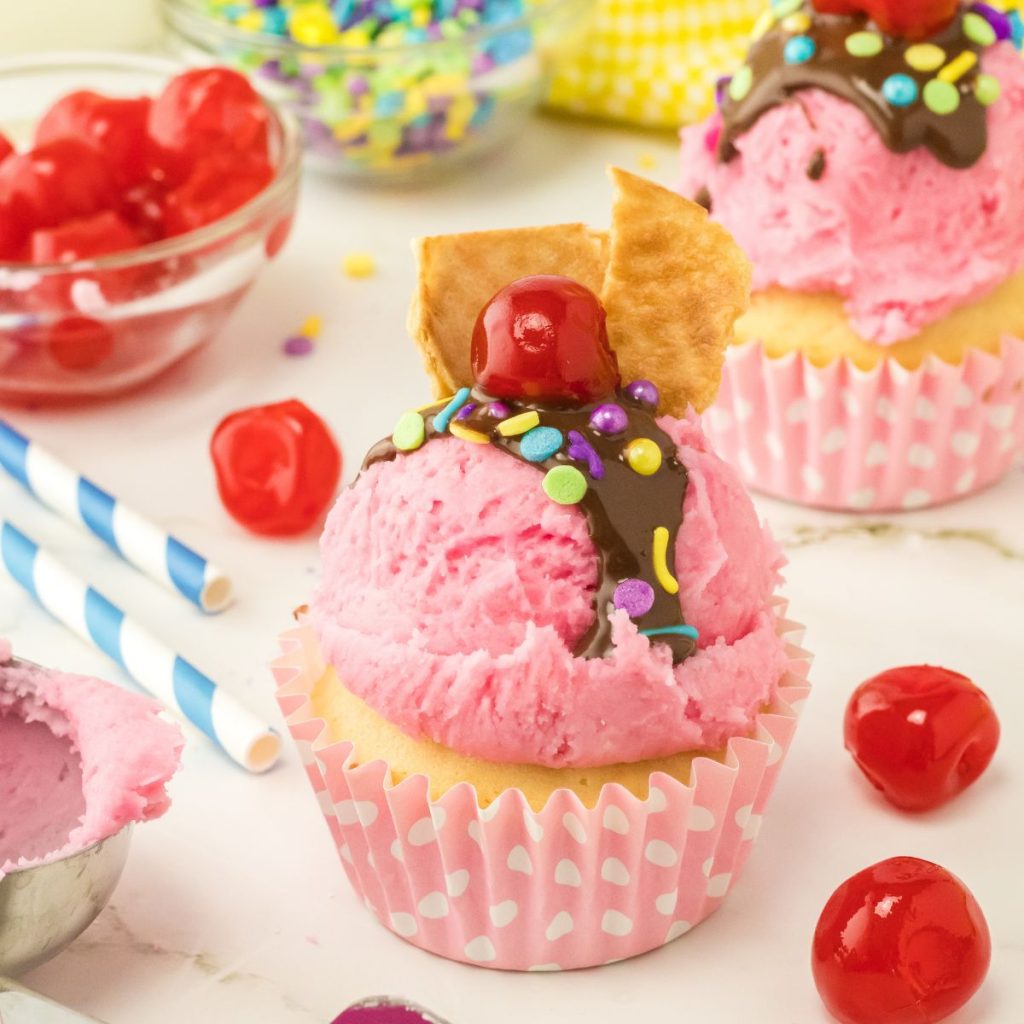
870	167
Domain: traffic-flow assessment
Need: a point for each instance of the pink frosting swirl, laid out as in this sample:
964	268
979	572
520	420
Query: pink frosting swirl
903	238
454	592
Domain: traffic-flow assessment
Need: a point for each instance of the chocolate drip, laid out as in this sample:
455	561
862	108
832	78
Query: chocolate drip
622	508
958	138
703	198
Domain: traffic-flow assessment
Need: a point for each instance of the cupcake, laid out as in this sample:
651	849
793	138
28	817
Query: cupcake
544	687
867	158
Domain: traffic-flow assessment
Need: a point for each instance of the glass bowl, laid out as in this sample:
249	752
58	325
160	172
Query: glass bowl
395	111
101	326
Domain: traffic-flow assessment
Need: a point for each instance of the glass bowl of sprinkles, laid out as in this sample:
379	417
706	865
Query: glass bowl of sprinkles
388	89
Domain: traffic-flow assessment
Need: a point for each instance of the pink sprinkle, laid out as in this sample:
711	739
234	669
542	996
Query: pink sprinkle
713	135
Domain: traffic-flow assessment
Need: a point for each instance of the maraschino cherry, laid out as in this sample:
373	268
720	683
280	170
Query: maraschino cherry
277	467
920	734
902	942
545	338
908	19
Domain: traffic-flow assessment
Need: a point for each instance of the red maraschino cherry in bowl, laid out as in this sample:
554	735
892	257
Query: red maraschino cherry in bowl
138	203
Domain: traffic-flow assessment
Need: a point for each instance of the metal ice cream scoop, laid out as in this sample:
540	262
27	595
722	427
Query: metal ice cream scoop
46	906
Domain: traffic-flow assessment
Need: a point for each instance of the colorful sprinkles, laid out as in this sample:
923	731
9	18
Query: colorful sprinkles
587	456
370	87
931	93
302	343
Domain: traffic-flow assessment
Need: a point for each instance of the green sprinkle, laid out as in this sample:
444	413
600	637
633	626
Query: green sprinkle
741	83
565	485
410	432
864	44
941	97
978	30
987	90
782	8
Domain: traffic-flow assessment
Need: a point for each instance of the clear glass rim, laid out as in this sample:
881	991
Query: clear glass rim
286	172
181	13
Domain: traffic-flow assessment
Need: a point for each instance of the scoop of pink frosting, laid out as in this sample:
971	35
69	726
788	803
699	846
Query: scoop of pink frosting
903	238
454	592
79	760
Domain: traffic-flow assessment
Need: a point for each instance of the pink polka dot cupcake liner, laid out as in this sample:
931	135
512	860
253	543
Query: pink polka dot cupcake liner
569	887
842	438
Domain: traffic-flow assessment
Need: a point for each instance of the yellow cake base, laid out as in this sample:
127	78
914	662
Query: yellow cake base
816	324
374	738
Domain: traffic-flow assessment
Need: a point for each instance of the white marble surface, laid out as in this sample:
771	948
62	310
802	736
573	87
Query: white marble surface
234	907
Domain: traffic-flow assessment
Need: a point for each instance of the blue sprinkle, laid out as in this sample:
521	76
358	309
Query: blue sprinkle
275	21
389	103
800	49
1017	25
444	417
900	90
510	46
672	631
540	443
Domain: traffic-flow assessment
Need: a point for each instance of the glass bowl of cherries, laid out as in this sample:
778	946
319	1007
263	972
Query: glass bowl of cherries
138	203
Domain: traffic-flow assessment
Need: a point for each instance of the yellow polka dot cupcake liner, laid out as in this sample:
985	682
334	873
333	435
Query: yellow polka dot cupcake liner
654	62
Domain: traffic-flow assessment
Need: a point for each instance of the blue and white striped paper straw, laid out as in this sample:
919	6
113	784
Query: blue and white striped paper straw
130	534
167	676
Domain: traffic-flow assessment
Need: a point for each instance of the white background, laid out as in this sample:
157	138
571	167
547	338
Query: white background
235	908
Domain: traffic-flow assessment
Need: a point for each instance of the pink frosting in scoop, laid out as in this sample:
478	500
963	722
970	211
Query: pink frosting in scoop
902	237
454	592
79	760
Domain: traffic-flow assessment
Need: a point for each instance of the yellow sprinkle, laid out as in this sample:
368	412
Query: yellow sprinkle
516	425
359	264
647	161
251	21
797	22
958	67
313	26
439	404
763	24
643	456
659	553
311	327
925	56
474	436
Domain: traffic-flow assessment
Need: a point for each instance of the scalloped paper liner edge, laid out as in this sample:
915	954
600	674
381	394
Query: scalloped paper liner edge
846	439
568	887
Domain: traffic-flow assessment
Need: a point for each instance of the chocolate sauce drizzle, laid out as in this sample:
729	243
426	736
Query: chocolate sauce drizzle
622	508
958	139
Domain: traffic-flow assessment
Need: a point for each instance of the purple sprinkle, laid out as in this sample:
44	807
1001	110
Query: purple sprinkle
644	392
609	419
997	19
358	85
721	84
466	411
499	410
298	345
636	597
581	448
